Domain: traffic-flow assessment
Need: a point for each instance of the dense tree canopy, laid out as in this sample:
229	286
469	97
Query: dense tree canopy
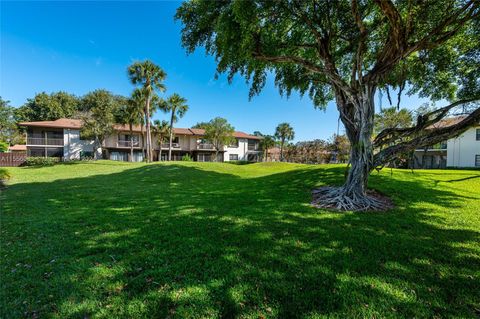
102	107
48	107
9	132
220	133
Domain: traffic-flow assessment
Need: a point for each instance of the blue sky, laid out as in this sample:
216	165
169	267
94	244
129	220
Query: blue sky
82	46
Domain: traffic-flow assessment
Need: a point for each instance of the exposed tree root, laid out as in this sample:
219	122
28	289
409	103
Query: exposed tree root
336	198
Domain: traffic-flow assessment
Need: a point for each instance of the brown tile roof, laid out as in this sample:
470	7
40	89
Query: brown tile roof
18	147
77	124
182	131
245	135
60	123
197	131
448	122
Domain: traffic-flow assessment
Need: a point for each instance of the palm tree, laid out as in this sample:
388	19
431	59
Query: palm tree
267	142
137	102
161	129
150	77
133	114
284	132
177	106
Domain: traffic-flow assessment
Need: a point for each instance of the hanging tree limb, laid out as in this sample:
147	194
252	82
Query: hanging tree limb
391	135
422	138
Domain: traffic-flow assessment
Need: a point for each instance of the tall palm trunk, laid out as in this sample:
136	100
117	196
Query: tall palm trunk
143	140
282	142
171	136
149	136
131	142
160	139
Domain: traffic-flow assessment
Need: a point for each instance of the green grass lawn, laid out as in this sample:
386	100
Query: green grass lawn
211	240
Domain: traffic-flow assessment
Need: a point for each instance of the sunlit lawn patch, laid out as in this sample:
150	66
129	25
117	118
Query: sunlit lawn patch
113	240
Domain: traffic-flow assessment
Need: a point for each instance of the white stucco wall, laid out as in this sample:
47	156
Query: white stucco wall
242	150
73	145
461	151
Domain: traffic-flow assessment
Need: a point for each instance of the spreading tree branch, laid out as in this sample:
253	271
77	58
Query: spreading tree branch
397	47
426	138
391	135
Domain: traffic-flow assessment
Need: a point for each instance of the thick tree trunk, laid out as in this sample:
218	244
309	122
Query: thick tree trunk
131	142
357	115
171	137
143	141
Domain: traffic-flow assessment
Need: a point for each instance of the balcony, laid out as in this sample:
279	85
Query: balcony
205	146
167	145
253	147
124	143
44	141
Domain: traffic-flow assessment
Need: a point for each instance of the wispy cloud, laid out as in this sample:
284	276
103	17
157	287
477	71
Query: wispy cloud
98	61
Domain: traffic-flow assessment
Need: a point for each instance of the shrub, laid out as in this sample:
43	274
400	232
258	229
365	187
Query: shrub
3	147
41	161
4	176
187	158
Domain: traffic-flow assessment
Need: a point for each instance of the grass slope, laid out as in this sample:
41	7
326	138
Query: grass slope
110	240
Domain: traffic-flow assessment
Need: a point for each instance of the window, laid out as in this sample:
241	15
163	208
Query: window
55	152
36	151
126	137
233	157
201	157
252	145
477	160
234	143
478	134
119	156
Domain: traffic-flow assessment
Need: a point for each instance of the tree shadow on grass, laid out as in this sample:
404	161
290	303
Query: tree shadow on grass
178	241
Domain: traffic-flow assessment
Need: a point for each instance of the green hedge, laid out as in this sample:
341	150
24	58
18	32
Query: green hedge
41	161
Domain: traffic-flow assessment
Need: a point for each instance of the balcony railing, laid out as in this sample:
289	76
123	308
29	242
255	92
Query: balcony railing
167	145
205	146
44	141
253	147
438	146
123	143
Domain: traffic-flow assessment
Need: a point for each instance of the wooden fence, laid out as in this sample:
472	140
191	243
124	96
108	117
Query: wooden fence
12	159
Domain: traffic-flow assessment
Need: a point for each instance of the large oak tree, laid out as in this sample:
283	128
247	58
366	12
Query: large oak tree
346	51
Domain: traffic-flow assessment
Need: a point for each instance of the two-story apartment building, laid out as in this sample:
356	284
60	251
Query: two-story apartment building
462	151
63	138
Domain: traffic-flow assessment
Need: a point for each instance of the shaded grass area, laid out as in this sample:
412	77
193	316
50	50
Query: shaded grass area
192	240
